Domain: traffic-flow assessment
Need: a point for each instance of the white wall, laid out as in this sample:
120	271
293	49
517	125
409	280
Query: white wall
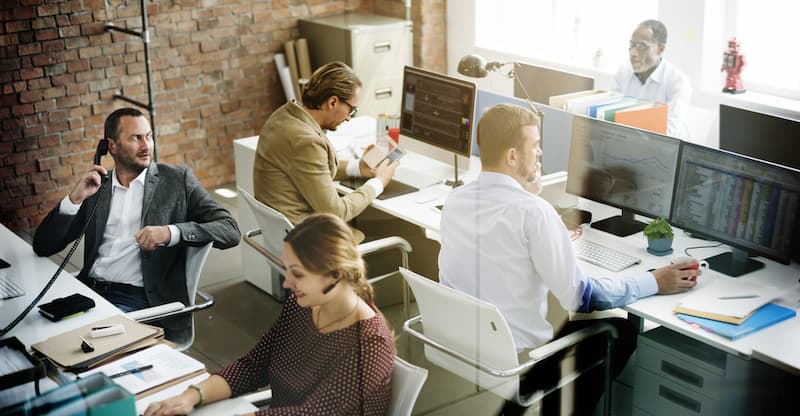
694	25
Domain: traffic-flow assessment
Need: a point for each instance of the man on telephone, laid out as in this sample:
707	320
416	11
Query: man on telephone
146	213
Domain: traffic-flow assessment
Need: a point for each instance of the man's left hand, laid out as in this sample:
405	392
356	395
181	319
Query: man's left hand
152	236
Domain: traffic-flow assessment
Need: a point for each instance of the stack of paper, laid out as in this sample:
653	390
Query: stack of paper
169	366
732	308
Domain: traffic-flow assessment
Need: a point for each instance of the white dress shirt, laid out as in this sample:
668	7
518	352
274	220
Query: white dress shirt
118	255
667	84
507	246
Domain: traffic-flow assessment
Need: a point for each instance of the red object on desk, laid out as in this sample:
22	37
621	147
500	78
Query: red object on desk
394	133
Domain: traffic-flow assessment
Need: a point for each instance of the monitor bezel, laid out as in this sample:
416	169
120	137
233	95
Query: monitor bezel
442	77
614	204
725	239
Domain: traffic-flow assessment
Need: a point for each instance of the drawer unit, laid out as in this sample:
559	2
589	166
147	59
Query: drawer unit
376	47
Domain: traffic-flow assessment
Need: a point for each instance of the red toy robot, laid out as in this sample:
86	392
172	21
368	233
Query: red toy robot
733	62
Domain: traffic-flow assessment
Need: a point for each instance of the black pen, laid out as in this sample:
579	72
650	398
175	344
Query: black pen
132	371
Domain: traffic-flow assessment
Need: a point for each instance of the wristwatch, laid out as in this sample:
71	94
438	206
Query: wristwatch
200	393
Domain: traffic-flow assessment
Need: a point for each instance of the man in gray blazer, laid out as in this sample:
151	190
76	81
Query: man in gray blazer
146	214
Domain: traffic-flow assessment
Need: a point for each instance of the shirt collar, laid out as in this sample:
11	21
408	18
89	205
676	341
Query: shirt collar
495	178
657	77
140	178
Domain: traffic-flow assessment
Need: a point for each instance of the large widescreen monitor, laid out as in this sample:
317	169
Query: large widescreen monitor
437	113
762	136
624	167
542	82
746	203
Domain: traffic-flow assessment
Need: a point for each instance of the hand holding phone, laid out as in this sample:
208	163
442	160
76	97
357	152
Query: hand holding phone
374	156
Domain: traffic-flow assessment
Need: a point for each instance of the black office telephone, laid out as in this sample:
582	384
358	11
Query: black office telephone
102	150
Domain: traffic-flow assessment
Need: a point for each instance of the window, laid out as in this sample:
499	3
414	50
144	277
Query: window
766	30
587	33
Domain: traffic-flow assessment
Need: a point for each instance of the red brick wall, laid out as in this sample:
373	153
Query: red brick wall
213	80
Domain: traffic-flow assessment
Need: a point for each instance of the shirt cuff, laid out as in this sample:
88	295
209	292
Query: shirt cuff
376	184
175	236
647	284
66	207
353	168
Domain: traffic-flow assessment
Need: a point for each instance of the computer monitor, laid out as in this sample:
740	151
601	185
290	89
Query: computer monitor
759	135
746	203
542	82
556	129
624	167
436	116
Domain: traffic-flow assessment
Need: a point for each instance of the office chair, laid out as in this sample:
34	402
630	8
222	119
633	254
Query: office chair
274	226
195	259
407	381
471	338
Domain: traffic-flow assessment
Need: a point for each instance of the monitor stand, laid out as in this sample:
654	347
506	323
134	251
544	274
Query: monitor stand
455	182
621	225
734	264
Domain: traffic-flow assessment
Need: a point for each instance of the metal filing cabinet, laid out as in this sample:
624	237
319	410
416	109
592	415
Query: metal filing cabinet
678	375
376	47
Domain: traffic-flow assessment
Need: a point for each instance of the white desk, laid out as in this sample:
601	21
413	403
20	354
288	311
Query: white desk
32	273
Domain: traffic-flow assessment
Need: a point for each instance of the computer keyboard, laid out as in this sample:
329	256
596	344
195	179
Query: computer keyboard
8	288
603	256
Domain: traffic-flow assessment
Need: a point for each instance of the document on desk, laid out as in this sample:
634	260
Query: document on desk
726	300
167	364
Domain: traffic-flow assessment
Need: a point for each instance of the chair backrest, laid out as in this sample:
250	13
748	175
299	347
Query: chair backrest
273	224
470	326
195	259
407	381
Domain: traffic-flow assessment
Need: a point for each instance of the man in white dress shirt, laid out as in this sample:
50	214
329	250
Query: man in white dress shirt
651	77
504	244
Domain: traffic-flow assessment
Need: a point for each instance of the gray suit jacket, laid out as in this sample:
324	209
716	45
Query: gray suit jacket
172	195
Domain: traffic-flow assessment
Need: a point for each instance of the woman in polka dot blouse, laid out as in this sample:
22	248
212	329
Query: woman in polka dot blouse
329	353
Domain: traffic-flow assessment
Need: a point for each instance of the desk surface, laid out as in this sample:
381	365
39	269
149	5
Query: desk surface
32	273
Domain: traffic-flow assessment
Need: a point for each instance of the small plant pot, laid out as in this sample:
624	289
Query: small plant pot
659	247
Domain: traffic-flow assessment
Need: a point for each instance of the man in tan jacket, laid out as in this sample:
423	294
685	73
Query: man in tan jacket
296	164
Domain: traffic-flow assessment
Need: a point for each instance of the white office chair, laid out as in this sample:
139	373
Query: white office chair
470	338
195	259
274	226
407	381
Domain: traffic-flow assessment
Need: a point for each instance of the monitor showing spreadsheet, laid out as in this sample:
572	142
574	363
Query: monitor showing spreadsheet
746	203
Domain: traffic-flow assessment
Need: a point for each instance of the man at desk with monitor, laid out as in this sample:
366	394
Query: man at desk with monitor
296	164
504	244
651	77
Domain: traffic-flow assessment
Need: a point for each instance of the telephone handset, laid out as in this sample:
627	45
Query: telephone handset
102	150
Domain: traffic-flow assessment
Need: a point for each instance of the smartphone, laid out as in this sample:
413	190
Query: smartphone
395	154
375	156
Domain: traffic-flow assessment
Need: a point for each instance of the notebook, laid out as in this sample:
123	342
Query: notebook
765	316
726	300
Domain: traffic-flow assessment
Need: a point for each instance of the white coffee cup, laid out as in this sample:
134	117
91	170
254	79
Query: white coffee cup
684	259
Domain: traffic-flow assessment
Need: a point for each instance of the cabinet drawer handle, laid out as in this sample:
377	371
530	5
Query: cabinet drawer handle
679	399
382	47
383	93
681	374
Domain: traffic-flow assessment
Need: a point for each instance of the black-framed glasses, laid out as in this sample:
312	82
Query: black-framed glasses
353	109
640	46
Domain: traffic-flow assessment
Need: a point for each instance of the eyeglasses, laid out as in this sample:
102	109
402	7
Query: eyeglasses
640	46
353	109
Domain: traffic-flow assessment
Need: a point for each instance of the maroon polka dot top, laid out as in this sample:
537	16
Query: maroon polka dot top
344	372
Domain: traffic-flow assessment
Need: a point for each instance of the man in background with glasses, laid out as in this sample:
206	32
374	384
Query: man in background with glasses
296	165
651	77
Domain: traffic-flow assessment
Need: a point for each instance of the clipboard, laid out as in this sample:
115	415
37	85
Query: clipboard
65	349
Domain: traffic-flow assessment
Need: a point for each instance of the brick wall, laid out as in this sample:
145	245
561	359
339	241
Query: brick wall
213	81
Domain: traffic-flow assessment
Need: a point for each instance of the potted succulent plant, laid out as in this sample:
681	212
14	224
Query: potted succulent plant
659	237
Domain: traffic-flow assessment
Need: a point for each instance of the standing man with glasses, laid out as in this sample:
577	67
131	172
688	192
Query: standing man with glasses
651	77
296	165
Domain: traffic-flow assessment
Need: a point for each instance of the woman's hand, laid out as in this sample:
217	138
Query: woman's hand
182	404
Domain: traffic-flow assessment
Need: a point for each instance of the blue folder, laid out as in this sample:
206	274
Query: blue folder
763	317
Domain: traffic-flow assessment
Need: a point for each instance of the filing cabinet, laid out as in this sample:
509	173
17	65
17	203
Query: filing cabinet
678	375
376	47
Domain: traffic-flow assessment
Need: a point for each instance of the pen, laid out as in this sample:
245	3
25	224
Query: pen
132	371
738	297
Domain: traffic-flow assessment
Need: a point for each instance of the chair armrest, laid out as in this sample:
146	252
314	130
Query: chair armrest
259	398
387	243
248	238
536	355
167	310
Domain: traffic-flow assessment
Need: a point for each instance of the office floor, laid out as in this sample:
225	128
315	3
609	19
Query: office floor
242	313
